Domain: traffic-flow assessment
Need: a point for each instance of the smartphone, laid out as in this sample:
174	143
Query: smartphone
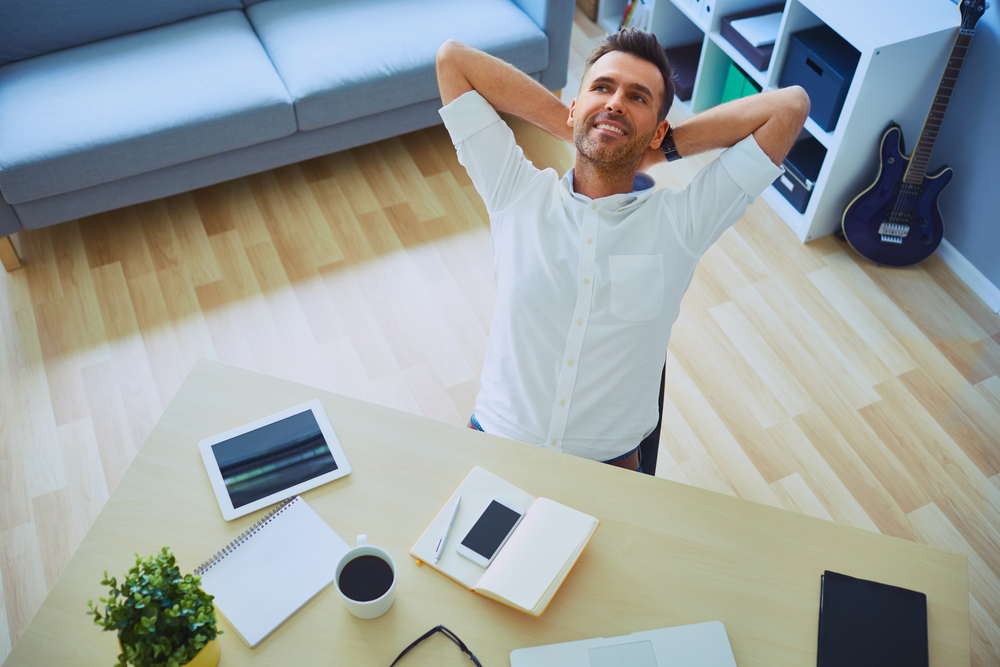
491	530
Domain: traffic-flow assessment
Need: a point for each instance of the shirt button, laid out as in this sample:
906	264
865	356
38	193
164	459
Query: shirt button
593	206
562	402
590	240
579	323
553	443
570	362
586	281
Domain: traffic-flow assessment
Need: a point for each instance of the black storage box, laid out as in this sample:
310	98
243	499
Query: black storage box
801	171
823	63
759	57
684	63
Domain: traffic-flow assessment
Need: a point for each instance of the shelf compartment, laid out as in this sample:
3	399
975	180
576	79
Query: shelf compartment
802	170
735	56
758	57
609	14
684	63
823	63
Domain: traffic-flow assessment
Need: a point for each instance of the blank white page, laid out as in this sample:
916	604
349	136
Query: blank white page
278	568
538	554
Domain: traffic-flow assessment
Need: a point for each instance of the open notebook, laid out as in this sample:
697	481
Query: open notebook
532	564
272	569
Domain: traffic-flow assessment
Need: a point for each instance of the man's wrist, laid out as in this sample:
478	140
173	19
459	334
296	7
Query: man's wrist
669	147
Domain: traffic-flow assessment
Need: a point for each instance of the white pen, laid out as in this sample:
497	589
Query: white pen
447	531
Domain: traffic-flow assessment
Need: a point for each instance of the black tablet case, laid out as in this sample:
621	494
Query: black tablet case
867	624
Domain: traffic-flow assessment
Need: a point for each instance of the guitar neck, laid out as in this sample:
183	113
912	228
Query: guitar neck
932	125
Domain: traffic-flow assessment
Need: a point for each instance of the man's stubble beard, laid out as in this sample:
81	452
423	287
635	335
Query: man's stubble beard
612	162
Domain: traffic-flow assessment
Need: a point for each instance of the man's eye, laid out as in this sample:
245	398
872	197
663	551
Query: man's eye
600	89
639	98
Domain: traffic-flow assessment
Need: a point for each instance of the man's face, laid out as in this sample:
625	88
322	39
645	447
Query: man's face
614	119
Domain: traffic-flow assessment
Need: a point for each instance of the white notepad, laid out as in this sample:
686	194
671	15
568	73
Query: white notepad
759	30
535	560
271	570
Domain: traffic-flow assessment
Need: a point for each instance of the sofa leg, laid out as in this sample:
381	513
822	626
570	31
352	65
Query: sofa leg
8	254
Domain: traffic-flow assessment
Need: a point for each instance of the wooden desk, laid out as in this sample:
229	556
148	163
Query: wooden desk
666	554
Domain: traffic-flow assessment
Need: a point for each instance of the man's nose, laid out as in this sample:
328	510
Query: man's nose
616	103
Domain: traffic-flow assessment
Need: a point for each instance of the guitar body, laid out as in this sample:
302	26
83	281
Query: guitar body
895	223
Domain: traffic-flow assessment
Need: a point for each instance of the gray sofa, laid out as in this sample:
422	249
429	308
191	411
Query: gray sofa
107	103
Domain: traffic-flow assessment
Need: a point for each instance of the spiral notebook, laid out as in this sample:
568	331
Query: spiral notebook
272	569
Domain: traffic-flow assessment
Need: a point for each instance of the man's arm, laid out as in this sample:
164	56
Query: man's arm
461	68
774	118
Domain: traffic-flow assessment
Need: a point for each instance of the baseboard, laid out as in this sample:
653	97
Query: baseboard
970	275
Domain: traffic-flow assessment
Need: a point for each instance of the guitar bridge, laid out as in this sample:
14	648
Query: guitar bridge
893	233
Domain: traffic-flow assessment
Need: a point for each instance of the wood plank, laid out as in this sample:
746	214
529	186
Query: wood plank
802	458
937	531
737	390
865	323
190	235
23	575
919	444
858	470
42	272
133	373
736	467
819	363
762	358
796	496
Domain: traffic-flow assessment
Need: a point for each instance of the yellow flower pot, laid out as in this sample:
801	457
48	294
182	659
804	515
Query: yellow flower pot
208	656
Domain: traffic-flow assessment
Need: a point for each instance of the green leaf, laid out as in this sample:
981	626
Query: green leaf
160	615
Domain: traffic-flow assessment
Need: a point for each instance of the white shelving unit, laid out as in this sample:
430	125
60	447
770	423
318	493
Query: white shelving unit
903	44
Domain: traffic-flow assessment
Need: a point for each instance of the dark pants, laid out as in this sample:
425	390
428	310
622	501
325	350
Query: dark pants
650	445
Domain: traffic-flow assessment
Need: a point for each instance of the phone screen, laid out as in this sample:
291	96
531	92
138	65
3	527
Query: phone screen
491	529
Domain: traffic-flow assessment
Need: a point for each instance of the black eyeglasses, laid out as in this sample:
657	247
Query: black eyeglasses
447	633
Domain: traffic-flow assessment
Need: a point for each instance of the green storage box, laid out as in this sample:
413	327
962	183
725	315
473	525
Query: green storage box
738	84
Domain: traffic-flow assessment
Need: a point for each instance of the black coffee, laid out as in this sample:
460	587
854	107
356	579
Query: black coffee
365	578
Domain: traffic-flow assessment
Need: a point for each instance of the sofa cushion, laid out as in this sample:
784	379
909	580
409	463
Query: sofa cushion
135	103
343	59
30	28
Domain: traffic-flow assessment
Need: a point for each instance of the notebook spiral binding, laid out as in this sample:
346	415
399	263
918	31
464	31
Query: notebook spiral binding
243	537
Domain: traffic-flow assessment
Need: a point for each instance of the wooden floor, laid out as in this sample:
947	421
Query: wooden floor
798	376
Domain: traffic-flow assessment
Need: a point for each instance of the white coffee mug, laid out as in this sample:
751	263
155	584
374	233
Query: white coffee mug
370	608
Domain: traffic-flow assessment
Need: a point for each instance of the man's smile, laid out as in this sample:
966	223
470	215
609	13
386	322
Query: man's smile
611	127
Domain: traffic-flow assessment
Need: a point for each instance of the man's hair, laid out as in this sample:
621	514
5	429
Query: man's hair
642	45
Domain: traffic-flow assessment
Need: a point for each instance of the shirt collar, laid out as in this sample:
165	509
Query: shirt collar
642	187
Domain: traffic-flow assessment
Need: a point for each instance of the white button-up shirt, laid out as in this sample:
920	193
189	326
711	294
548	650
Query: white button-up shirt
587	290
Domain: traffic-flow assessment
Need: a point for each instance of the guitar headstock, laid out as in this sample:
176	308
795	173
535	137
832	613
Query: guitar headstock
972	11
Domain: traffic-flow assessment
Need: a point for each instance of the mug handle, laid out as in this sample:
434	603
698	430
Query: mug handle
362	540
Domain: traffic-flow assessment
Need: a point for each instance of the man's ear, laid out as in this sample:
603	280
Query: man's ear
572	106
661	131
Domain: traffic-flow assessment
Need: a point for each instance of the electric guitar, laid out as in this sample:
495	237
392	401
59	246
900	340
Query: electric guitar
896	221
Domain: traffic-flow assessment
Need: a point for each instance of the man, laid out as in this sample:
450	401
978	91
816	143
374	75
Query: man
590	269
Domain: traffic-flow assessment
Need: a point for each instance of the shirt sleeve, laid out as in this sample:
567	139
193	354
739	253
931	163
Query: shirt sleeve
719	194
486	148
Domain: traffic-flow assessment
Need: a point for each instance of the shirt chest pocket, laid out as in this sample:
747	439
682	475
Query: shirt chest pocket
636	287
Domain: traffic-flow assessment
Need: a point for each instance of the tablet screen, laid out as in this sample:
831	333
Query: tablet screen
273	457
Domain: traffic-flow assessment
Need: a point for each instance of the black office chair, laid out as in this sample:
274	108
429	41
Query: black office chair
650	446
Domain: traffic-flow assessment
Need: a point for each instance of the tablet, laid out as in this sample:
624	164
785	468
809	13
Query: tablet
260	464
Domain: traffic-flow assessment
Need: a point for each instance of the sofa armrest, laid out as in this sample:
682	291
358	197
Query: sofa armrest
555	18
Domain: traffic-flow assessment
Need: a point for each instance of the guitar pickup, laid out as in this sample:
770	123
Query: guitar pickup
893	230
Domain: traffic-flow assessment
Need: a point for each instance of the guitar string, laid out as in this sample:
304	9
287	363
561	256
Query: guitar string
902	201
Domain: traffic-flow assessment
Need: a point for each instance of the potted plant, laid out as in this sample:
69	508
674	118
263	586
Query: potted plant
162	618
